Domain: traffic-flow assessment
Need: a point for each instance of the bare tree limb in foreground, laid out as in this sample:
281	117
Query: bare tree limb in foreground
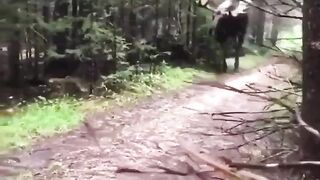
306	126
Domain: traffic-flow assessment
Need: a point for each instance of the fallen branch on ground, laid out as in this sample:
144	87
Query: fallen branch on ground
295	165
230	173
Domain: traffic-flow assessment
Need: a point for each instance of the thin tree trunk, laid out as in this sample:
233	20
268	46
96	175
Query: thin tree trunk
261	24
180	16
28	35
194	32
169	16
75	26
132	20
14	49
121	13
46	13
188	23
274	30
311	79
61	10
156	27
37	46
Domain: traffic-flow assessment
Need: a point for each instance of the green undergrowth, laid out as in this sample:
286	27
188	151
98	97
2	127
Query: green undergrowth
44	118
40	118
142	85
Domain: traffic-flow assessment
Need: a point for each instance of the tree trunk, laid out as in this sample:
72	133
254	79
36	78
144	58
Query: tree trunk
132	20
188	23
14	49
156	27
46	13
75	24
261	18
169	16
180	17
194	33
60	38
274	30
121	13
37	44
311	79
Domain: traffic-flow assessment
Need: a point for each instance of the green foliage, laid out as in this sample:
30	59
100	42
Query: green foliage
57	26
103	41
131	86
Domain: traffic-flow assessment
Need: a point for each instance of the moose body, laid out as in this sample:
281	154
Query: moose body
231	21
234	28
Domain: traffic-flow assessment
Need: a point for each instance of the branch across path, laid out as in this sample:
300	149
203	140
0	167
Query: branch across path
147	134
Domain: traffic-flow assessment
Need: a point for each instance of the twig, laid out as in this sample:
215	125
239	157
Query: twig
248	112
275	155
285	39
272	13
272	90
249	121
251	141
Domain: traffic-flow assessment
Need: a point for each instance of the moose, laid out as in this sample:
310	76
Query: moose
230	19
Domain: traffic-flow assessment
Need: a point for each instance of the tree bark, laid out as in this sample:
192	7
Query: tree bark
14	49
46	14
121	13
261	24
60	38
194	33
188	23
169	19
311	79
156	27
76	24
180	17
274	30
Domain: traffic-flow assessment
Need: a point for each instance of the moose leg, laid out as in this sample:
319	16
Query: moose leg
224	66
236	58
238	46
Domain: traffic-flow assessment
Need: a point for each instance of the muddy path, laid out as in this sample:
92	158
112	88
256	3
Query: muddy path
147	133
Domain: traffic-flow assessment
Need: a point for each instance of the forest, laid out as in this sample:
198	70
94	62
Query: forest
150	89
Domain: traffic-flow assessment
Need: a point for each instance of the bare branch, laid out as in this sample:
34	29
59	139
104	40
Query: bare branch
297	165
306	126
273	13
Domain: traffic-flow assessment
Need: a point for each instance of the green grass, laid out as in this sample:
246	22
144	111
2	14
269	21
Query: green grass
41	118
172	78
44	118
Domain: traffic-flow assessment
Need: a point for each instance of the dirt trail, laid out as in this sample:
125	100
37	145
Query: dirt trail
144	134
